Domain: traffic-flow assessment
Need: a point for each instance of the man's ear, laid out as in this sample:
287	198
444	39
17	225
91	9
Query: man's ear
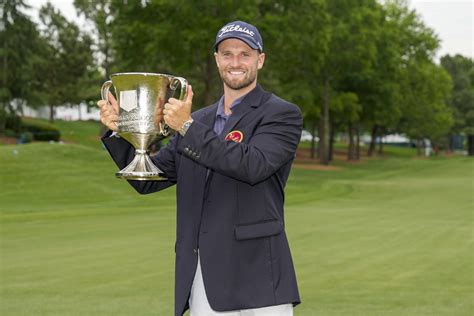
217	62
261	60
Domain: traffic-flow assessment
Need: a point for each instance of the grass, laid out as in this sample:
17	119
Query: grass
386	237
394	237
87	133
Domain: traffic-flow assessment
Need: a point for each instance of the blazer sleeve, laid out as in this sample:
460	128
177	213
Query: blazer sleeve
272	145
122	153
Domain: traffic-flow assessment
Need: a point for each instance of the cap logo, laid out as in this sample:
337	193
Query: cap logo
234	28
235	136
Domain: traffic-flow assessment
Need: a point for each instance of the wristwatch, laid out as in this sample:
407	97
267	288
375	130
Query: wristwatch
185	127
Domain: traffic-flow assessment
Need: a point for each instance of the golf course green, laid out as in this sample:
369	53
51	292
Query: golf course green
389	236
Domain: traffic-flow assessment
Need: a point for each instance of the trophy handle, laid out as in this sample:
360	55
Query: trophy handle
184	86
104	91
165	129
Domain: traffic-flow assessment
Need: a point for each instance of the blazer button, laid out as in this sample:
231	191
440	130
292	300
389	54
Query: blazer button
195	251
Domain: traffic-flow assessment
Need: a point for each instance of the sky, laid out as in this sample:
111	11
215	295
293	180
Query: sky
452	21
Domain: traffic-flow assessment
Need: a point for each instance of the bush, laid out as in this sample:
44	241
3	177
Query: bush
41	130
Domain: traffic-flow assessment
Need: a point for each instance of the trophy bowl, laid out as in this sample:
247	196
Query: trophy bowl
141	98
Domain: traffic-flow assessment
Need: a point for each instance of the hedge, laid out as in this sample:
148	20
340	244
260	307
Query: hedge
41	130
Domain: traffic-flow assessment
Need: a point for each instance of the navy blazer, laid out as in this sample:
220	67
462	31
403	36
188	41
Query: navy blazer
230	199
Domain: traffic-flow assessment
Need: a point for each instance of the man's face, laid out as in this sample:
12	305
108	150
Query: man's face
238	63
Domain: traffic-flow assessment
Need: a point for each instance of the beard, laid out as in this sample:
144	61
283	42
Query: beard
238	83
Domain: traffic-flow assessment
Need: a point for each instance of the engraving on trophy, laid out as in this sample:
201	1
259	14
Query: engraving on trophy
136	122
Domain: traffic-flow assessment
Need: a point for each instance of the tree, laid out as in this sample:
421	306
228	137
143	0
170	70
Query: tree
461	101
67	67
173	37
425	112
345	114
100	13
404	43
379	87
176	37
17	78
352	52
295	52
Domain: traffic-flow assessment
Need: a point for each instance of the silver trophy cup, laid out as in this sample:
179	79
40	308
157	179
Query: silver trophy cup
141	98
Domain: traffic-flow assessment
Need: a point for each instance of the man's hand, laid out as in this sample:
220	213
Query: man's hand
177	112
109	112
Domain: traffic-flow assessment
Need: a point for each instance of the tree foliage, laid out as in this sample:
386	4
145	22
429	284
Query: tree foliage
100	12
353	67
426	115
461	101
68	70
17	31
49	66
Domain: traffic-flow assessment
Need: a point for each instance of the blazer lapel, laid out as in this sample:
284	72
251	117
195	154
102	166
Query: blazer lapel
251	101
209	116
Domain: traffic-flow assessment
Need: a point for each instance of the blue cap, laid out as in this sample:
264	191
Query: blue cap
242	31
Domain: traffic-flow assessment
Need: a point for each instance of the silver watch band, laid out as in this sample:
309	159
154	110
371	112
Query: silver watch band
182	131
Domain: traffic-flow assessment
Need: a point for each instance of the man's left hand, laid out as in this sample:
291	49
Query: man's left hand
176	112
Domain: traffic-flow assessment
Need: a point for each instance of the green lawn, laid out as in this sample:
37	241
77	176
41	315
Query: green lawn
386	237
86	133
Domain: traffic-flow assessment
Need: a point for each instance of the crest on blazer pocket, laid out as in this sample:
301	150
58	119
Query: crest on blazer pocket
235	136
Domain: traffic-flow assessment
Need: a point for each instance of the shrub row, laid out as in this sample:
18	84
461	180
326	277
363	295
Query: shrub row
41	130
27	129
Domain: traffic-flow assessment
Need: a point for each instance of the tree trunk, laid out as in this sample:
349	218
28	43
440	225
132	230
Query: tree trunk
4	78
351	151
357	153
313	142
373	138
324	137
51	113
332	137
470	145
320	135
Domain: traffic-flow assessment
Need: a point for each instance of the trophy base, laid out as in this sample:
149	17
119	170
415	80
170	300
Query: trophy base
141	176
141	168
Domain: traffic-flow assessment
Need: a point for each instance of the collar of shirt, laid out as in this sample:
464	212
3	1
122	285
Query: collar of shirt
221	117
220	108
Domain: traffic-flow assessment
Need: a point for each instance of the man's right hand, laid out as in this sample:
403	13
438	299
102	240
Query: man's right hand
109	112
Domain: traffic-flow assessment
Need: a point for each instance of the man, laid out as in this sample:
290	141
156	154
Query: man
230	162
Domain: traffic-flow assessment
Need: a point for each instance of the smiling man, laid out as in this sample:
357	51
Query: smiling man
230	162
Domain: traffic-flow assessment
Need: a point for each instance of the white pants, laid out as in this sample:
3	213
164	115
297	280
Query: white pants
199	306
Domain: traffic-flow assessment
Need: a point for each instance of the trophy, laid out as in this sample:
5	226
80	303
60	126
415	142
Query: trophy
140	96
